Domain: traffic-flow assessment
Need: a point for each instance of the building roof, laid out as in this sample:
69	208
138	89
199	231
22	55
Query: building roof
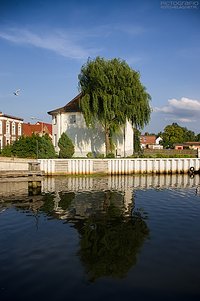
147	139
188	143
38	128
10	116
72	106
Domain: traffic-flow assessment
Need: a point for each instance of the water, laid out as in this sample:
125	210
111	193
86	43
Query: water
84	238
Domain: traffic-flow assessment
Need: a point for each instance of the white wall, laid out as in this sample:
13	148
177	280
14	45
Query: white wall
87	139
118	166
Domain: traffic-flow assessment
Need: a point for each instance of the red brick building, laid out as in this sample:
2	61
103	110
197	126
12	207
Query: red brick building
40	128
11	128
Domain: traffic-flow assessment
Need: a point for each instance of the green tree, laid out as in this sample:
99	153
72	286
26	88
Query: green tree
45	147
197	137
31	147
66	146
111	94
174	133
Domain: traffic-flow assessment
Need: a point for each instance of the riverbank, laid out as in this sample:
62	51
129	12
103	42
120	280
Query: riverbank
118	166
20	168
51	167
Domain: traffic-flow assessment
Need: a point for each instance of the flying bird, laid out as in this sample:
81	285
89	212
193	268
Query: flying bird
16	93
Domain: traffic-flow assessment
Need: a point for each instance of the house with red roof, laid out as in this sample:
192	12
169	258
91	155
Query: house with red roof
187	145
40	128
150	141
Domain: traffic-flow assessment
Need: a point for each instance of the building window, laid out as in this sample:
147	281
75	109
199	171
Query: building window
7	127
0	127
54	120
13	128
1	144
72	119
55	140
19	129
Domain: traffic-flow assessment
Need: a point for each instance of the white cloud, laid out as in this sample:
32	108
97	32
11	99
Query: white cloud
183	110
69	43
61	43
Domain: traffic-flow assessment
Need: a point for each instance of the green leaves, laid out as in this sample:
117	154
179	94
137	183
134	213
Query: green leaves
112	93
66	146
31	147
176	134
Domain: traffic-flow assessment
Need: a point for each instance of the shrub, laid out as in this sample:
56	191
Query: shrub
110	155
66	146
30	147
90	155
100	156
7	151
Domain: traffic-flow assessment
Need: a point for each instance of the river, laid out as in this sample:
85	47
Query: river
92	238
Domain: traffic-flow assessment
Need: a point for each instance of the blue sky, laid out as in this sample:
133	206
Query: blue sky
43	45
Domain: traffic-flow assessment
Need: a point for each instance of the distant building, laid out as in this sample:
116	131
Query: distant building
40	128
70	120
150	141
187	145
11	129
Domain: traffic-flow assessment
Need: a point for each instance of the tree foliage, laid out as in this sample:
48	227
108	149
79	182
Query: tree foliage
112	94
137	145
66	146
31	147
174	133
198	137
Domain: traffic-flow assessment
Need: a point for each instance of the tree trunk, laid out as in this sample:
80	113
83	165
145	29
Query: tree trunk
107	140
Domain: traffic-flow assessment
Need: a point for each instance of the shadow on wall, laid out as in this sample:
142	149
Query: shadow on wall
87	140
91	140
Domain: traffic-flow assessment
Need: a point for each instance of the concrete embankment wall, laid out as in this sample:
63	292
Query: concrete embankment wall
103	166
15	164
118	166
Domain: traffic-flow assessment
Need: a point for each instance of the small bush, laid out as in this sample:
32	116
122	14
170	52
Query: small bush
90	155
100	156
110	155
66	146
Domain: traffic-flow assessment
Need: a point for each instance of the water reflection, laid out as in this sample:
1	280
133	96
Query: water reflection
111	234
109	245
111	229
96	225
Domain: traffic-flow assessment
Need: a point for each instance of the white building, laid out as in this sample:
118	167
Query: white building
70	120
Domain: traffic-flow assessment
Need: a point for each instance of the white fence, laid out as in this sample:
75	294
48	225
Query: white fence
118	166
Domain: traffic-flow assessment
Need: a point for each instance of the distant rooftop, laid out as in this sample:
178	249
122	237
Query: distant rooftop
10	116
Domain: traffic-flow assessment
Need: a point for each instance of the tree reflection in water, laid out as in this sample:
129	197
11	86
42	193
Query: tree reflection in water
111	235
111	230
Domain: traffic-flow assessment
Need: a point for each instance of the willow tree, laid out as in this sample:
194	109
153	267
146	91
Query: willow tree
112	94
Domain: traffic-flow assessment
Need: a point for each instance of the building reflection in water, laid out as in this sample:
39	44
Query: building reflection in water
112	229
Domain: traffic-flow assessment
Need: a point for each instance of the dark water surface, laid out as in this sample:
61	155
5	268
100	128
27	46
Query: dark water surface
119	238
